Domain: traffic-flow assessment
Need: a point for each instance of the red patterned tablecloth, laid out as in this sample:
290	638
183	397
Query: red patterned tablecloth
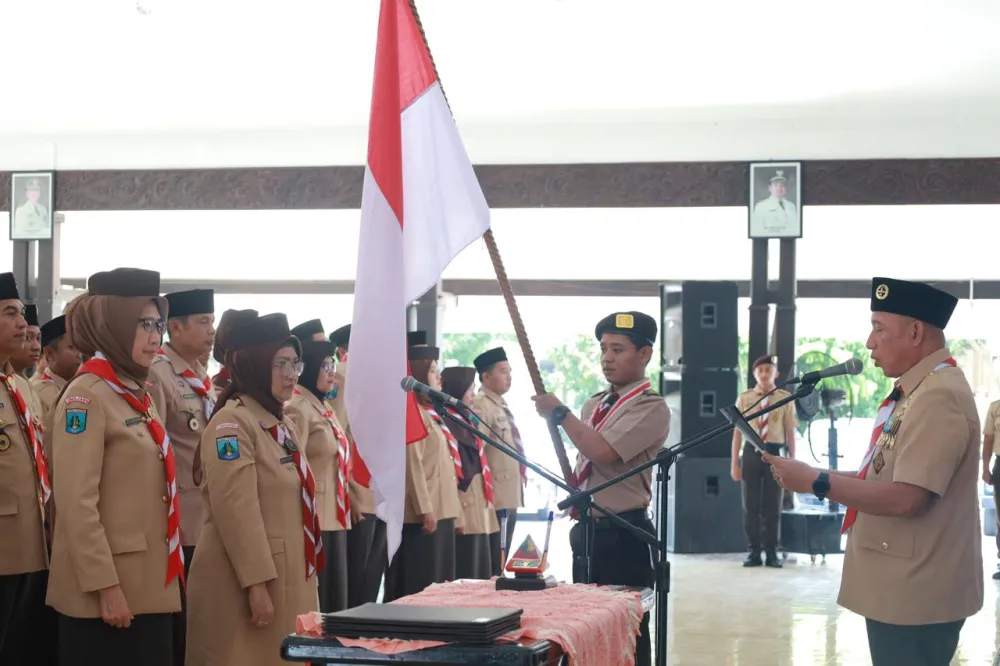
594	625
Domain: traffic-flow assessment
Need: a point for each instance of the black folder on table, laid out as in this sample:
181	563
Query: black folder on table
447	624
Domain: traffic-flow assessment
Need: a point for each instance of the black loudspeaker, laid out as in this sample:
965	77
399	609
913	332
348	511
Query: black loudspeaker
706	508
700	363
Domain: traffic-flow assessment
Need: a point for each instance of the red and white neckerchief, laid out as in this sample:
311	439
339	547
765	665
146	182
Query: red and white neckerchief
483	462
343	470
762	421
883	420
31	427
202	387
611	405
518	444
456	457
48	378
99	365
315	559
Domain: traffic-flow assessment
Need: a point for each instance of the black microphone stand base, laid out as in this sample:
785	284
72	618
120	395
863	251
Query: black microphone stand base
526	582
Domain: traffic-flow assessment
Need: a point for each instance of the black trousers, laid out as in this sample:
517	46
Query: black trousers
762	498
333	577
149	641
28	627
495	540
913	645
619	558
180	619
366	560
422	560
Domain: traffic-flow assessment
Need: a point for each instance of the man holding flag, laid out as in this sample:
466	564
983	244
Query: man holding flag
421	206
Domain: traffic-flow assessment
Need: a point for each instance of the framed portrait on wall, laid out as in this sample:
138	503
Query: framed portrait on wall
775	200
31	202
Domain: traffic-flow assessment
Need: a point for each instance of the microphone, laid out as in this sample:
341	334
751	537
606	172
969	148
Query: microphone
852	366
411	385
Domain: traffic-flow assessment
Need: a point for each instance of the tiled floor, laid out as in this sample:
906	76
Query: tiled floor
724	615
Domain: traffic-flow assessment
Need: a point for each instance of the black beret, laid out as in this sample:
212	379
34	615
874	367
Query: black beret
767	359
259	331
489	358
8	288
423	353
913	299
317	349
307	329
53	330
191	302
414	338
31	314
125	282
639	327
342	336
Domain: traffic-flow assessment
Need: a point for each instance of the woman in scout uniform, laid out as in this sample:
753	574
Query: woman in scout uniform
914	561
475	488
230	319
116	561
255	567
427	552
618	429
328	451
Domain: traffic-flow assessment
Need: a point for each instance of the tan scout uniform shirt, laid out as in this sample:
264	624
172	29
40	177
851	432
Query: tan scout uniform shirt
991	422
323	451
46	393
508	490
112	499
924	569
636	432
362	499
431	481
252	534
22	535
177	404
777	421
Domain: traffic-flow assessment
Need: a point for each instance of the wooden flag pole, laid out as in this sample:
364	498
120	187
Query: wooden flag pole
508	295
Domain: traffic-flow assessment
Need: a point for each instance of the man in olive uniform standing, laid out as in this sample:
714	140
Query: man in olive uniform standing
509	476
183	397
25	360
618	429
31	216
762	496
27	625
914	562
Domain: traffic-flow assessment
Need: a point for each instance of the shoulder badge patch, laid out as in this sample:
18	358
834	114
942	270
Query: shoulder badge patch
76	421
227	426
228	448
76	399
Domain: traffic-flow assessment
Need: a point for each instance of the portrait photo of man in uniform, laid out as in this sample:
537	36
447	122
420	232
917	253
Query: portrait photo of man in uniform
775	195
31	206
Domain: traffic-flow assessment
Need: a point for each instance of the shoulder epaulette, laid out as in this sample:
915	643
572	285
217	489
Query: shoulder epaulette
650	391
598	394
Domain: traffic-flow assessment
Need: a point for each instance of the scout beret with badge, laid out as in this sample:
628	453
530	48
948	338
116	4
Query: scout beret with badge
342	336
418	349
31	314
53	329
767	359
912	299
489	358
637	326
191	302
125	282
308	329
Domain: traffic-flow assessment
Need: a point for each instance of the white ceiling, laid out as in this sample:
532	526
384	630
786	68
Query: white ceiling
80	66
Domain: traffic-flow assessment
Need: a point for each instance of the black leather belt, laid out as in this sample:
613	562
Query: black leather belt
773	449
636	517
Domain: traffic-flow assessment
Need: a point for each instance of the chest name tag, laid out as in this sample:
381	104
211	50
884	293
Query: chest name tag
133	421
76	421
189	396
286	459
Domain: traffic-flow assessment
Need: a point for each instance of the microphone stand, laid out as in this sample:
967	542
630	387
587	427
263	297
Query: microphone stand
583	500
587	536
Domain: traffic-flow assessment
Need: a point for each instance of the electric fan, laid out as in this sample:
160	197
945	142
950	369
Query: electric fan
833	397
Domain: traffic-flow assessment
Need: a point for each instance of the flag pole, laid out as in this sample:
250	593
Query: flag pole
508	293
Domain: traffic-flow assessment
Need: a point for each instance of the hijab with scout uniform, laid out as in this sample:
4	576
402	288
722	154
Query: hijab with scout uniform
314	352
229	320
455	382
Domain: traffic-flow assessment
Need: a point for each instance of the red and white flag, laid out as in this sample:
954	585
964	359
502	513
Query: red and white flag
421	206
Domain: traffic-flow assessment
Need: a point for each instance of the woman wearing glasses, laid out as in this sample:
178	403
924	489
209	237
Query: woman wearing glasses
116	561
328	450
255	567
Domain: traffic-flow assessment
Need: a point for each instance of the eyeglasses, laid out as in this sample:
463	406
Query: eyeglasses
329	366
289	367
153	325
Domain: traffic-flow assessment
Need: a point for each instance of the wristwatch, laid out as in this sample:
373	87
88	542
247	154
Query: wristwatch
559	414
821	486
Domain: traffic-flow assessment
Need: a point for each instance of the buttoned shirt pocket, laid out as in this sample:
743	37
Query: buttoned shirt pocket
888	542
8	503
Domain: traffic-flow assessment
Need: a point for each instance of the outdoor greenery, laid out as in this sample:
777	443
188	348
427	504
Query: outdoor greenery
572	370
